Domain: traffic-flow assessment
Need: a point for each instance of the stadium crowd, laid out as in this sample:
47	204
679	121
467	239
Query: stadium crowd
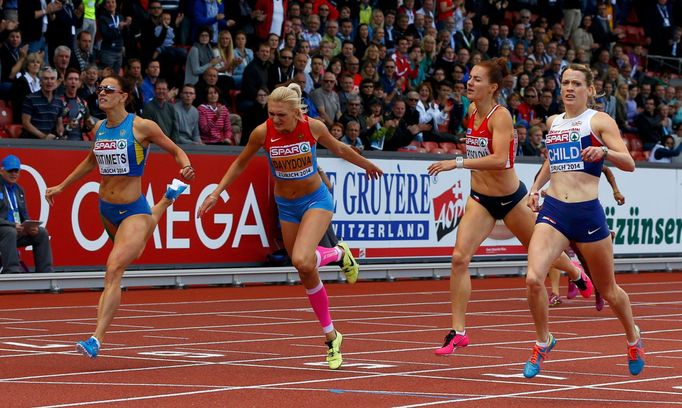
381	74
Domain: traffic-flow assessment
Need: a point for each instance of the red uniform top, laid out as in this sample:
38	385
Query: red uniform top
480	141
291	154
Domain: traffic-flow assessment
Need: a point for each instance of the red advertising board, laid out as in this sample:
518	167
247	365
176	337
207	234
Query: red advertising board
240	229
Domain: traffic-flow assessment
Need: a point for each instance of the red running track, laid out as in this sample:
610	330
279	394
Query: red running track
261	346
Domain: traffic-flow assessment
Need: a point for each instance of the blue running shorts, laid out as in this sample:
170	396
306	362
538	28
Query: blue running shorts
293	210
579	222
116	213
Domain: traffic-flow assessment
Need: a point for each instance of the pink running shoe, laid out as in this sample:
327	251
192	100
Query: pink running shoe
587	292
452	342
572	290
598	301
554	300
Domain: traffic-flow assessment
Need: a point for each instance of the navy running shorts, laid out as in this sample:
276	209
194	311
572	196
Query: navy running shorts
579	222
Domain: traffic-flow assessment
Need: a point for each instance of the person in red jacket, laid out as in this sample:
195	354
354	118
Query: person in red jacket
269	15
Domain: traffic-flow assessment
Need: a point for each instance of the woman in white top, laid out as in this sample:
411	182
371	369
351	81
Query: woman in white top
577	143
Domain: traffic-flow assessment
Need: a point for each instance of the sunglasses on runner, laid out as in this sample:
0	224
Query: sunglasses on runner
107	89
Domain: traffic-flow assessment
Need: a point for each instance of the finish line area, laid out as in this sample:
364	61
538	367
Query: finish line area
261	345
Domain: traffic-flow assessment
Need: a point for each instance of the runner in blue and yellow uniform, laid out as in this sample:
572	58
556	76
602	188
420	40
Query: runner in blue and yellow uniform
120	150
305	205
578	142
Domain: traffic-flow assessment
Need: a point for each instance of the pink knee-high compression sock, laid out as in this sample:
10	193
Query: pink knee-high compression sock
327	255
320	303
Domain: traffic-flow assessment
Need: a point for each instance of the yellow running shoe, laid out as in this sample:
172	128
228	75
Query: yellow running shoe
334	358
350	267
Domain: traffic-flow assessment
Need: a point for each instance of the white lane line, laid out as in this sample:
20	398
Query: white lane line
249	332
24	328
145	311
399	325
166	337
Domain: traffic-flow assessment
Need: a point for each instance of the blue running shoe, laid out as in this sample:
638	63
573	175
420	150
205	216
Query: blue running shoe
532	367
636	356
89	347
175	189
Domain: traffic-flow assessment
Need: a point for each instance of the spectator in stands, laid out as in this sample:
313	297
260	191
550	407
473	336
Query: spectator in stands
14	232
665	150
255	77
257	114
535	145
88	91
166	52
153	70
60	62
659	25
133	74
161	110
582	38
352	136
110	25
331	29
326	100
26	83
269	16
346	91
12	57
225	50
210	77
61	28
33	20
648	124
210	15
677	137
82	54
42	109
241	16
663	111
215	127
188	116
522	136
200	56
282	71
352	110
311	33
242	57
75	114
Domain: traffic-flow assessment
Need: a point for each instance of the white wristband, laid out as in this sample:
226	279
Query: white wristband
459	161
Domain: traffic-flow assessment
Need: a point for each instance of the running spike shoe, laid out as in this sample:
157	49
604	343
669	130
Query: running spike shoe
452	342
334	358
532	367
89	347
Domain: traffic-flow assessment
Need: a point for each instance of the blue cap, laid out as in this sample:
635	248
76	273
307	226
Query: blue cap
11	162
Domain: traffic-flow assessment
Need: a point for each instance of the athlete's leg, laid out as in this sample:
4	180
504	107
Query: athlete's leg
545	246
599	257
520	222
129	242
301	242
473	229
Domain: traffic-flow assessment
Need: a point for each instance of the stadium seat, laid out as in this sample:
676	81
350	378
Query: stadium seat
234	93
14	130
635	145
447	146
6	116
438	150
646	154
430	146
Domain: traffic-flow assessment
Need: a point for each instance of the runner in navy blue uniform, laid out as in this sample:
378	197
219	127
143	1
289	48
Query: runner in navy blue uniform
578	141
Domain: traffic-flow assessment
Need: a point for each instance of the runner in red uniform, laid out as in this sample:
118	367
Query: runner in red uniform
496	192
305	205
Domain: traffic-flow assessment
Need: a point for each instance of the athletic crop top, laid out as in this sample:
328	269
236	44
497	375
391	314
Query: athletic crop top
566	140
291	154
480	141
117	151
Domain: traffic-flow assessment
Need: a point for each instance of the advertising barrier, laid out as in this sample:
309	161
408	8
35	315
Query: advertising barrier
405	214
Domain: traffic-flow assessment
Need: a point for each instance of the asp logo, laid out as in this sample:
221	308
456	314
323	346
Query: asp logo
448	209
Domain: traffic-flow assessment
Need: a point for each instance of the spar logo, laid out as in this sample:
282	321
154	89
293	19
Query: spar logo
448	209
111	144
574	137
290	150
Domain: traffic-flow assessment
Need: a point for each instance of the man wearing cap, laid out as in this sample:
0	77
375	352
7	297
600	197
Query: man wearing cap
12	214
